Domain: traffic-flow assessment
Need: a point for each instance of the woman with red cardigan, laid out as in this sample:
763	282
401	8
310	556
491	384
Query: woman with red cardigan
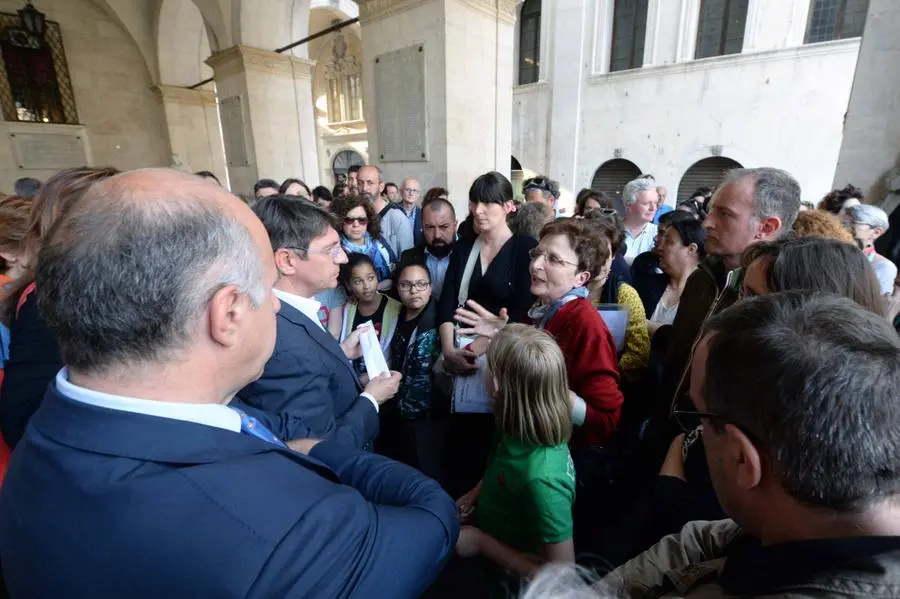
568	256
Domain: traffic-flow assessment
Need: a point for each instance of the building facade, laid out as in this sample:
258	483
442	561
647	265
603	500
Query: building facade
683	89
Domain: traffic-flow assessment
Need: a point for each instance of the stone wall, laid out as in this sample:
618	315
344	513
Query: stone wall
122	114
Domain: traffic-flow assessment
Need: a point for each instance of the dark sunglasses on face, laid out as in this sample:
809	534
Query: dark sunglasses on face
348	220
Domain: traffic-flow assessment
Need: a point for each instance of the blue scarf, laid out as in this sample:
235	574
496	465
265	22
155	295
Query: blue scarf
542	313
370	248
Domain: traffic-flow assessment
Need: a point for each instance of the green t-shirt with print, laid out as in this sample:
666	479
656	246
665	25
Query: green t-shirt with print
527	494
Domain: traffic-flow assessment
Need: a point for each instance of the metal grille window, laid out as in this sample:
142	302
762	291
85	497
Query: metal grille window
530	42
629	31
34	76
709	172
836	19
721	29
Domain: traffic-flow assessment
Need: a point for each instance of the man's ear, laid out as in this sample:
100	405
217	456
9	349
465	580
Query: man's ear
768	227
744	458
226	310
285	261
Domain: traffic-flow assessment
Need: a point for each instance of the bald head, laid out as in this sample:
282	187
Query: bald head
371	181
130	267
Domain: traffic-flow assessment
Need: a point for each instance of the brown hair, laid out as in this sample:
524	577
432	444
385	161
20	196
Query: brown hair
58	192
532	402
585	240
834	199
14	212
433	194
341	207
609	224
591	194
820	265
818	223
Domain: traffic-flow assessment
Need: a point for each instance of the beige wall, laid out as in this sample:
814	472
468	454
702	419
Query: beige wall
114	94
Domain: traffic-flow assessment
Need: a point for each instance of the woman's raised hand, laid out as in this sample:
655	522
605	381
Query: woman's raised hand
480	322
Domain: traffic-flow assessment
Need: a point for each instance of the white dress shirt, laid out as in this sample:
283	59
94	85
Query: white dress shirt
644	242
208	414
308	307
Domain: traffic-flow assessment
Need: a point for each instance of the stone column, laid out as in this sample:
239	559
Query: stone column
194	132
871	146
469	53
265	103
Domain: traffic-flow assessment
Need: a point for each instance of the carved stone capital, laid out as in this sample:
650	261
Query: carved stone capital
183	95
239	59
504	10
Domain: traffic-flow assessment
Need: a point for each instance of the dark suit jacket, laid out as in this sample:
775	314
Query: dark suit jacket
308	387
418	231
99	504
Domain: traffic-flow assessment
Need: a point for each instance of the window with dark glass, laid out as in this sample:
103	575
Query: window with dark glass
530	42
629	31
721	28
836	19
34	77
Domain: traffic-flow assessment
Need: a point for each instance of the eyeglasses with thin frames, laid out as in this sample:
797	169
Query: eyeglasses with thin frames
553	259
335	251
690	420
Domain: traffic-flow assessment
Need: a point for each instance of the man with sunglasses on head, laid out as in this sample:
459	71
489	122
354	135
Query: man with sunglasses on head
308	387
797	396
542	190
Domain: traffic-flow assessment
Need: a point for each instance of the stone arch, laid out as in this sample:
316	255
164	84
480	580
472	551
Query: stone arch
611	176
184	43
283	22
707	172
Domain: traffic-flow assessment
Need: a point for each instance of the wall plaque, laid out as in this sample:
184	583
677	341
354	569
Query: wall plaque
401	106
48	151
231	115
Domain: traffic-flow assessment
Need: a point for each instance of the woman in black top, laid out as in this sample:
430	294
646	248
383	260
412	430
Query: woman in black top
500	280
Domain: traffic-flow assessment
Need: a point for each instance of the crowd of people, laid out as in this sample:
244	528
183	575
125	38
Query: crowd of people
638	400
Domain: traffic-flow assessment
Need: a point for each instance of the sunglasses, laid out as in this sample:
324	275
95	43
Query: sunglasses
348	220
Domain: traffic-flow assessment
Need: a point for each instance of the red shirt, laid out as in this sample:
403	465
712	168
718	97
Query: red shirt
592	367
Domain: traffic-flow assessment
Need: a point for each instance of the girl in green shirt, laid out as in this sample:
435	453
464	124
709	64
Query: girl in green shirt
524	501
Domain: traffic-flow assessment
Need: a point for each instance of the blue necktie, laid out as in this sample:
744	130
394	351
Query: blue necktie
252	426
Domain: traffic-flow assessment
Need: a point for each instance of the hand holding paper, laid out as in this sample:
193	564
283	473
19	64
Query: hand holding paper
371	350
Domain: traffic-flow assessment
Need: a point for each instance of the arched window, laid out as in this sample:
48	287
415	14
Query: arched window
629	31
344	86
34	85
343	160
836	19
611	178
709	172
530	42
721	29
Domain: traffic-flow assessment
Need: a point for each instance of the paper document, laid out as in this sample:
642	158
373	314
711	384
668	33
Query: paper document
470	394
372	355
616	318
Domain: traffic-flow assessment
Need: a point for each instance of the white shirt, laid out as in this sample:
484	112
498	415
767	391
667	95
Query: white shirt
308	307
208	414
644	242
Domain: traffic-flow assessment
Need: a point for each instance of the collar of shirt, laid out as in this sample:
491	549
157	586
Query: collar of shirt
217	415
433	257
308	307
752	570
647	227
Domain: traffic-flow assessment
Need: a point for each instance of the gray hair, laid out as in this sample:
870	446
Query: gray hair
635	187
812	379
126	281
866	214
775	193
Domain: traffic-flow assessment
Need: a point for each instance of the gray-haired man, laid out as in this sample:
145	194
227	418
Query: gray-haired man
640	198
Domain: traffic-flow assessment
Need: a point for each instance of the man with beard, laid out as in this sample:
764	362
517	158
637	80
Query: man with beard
439	226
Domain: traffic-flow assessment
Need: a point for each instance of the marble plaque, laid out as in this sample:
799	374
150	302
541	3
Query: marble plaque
401	106
231	114
48	151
